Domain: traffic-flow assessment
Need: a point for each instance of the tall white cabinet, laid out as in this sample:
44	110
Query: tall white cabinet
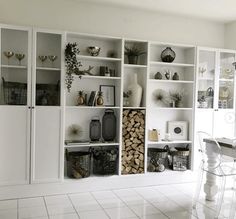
215	92
47	102
15	110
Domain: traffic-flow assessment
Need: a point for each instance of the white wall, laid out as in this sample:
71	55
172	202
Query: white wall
230	35
91	18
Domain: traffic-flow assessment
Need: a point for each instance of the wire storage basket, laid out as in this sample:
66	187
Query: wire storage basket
15	93
78	164
105	161
48	94
157	156
179	158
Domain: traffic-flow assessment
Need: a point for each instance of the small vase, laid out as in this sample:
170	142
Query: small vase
178	104
158	76
136	92
133	60
168	55
175	76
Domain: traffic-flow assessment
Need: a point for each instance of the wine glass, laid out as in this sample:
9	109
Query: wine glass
52	59
43	59
20	56
8	54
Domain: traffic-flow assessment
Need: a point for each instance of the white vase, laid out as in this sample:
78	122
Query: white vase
136	92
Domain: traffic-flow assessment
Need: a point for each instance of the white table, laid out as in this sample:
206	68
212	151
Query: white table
210	186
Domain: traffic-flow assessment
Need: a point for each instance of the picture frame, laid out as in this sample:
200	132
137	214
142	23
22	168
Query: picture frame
178	130
108	94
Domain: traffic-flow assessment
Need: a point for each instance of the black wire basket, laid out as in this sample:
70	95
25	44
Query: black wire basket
15	93
105	161
78	164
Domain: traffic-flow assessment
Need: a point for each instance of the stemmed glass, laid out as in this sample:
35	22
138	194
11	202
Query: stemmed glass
43	59
20	56
8	54
52	59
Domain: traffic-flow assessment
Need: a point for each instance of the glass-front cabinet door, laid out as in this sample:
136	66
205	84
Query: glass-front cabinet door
206	79
226	80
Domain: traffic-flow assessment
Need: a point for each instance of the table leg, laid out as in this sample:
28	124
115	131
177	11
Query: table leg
210	186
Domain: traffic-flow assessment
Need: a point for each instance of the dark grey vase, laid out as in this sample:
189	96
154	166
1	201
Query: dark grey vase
133	60
109	125
158	76
175	76
168	55
95	129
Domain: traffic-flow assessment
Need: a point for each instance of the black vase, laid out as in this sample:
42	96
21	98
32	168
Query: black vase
95	129
133	60
168	55
109	125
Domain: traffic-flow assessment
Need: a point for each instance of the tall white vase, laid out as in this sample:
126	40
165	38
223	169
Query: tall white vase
136	92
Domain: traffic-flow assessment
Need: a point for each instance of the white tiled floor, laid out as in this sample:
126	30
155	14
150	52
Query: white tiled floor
158	202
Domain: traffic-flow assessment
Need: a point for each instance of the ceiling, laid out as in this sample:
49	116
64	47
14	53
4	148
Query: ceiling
216	10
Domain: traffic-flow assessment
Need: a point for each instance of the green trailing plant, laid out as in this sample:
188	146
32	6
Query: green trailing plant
133	51
72	64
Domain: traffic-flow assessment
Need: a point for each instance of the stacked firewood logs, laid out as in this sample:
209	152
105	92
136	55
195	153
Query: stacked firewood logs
133	141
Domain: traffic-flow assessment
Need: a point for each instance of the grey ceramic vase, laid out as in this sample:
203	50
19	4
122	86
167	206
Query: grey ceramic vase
175	76
158	76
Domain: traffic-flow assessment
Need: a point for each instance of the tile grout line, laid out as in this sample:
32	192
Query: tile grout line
46	206
152	204
100	205
125	202
77	213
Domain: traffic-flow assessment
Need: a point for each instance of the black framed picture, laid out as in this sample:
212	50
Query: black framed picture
108	92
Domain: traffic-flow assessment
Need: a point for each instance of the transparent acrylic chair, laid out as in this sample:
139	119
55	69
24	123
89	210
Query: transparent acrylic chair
216	168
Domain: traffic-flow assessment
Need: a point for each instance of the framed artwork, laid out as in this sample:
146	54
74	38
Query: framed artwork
108	92
178	130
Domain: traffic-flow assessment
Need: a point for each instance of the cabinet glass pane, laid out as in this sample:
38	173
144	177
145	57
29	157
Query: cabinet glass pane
226	81
13	82
48	69
206	79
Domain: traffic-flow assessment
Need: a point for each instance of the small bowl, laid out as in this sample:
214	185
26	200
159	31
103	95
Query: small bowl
94	50
8	54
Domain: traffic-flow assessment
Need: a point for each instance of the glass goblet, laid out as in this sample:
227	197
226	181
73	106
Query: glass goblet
42	59
8	54
52	59
20	56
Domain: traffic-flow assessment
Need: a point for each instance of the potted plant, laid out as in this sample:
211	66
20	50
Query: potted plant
177	98
133	53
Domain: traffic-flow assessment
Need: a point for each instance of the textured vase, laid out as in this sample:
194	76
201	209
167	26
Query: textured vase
136	92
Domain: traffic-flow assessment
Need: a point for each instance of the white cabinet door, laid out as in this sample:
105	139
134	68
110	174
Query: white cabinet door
46	153
224	123
14	145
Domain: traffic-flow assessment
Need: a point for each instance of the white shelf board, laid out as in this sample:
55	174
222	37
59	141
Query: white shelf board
226	80
92	145
134	66
48	69
98	58
171	81
206	79
98	77
172	64
130	107
169	142
14	66
92	107
169	108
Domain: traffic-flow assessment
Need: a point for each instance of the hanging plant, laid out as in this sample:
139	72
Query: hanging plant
72	64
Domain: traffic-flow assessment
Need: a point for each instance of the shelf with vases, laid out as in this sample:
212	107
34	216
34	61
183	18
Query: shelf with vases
14	66
92	107
169	142
91	144
170	108
153	63
171	81
97	77
134	66
98	58
47	69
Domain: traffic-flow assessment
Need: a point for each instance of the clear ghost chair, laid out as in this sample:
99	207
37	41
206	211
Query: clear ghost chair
217	168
